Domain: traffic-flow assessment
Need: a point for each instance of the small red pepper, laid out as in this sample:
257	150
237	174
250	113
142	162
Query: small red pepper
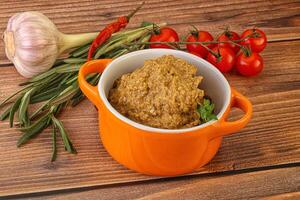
106	33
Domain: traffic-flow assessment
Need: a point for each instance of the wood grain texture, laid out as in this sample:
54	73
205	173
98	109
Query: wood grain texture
286	196
271	138
243	186
268	184
280	19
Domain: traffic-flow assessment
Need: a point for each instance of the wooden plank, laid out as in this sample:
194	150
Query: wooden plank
271	138
280	18
268	184
242	186
286	196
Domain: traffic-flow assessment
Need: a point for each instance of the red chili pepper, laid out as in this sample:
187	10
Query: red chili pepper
106	33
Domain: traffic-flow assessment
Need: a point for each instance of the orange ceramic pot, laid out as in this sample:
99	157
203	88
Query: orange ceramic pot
157	151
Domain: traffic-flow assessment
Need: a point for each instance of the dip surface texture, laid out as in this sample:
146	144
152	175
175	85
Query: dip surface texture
163	93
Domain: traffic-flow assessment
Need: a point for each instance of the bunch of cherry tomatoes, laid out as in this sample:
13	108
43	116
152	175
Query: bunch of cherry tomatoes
230	50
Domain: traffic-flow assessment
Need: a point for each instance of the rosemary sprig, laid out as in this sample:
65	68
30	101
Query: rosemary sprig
58	87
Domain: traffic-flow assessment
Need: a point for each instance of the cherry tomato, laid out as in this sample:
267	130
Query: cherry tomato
165	34
199	36
225	61
196	54
256	44
249	65
227	36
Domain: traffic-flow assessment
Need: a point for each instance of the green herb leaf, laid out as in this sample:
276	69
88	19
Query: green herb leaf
74	60
65	95
145	23
71	80
39	110
206	110
58	62
13	110
80	51
47	94
72	68
67	143
77	100
33	130
64	81
13	95
5	114
48	83
42	76
54	149
23	117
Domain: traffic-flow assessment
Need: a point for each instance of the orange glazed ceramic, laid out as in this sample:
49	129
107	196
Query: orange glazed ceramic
155	151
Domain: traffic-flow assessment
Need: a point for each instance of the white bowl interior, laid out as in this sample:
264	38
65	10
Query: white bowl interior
214	83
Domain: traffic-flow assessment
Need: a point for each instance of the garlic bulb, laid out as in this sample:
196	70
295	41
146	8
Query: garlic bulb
33	43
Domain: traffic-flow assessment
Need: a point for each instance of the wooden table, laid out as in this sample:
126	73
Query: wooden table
262	160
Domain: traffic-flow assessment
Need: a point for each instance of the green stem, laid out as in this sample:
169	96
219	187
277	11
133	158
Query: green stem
217	55
181	42
230	41
195	31
252	35
247	51
75	40
201	43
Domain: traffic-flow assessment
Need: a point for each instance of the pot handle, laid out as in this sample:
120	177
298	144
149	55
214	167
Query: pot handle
226	128
94	66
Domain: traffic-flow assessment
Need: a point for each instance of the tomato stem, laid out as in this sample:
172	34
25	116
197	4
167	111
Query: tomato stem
156	29
227	32
235	42
231	41
195	31
246	51
201	43
252	35
217	55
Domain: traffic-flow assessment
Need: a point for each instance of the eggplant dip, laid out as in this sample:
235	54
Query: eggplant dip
163	93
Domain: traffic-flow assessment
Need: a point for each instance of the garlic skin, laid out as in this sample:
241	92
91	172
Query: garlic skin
33	43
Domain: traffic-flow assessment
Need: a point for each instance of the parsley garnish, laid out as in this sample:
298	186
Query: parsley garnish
206	111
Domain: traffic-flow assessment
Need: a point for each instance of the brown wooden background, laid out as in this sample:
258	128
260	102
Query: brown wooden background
261	160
